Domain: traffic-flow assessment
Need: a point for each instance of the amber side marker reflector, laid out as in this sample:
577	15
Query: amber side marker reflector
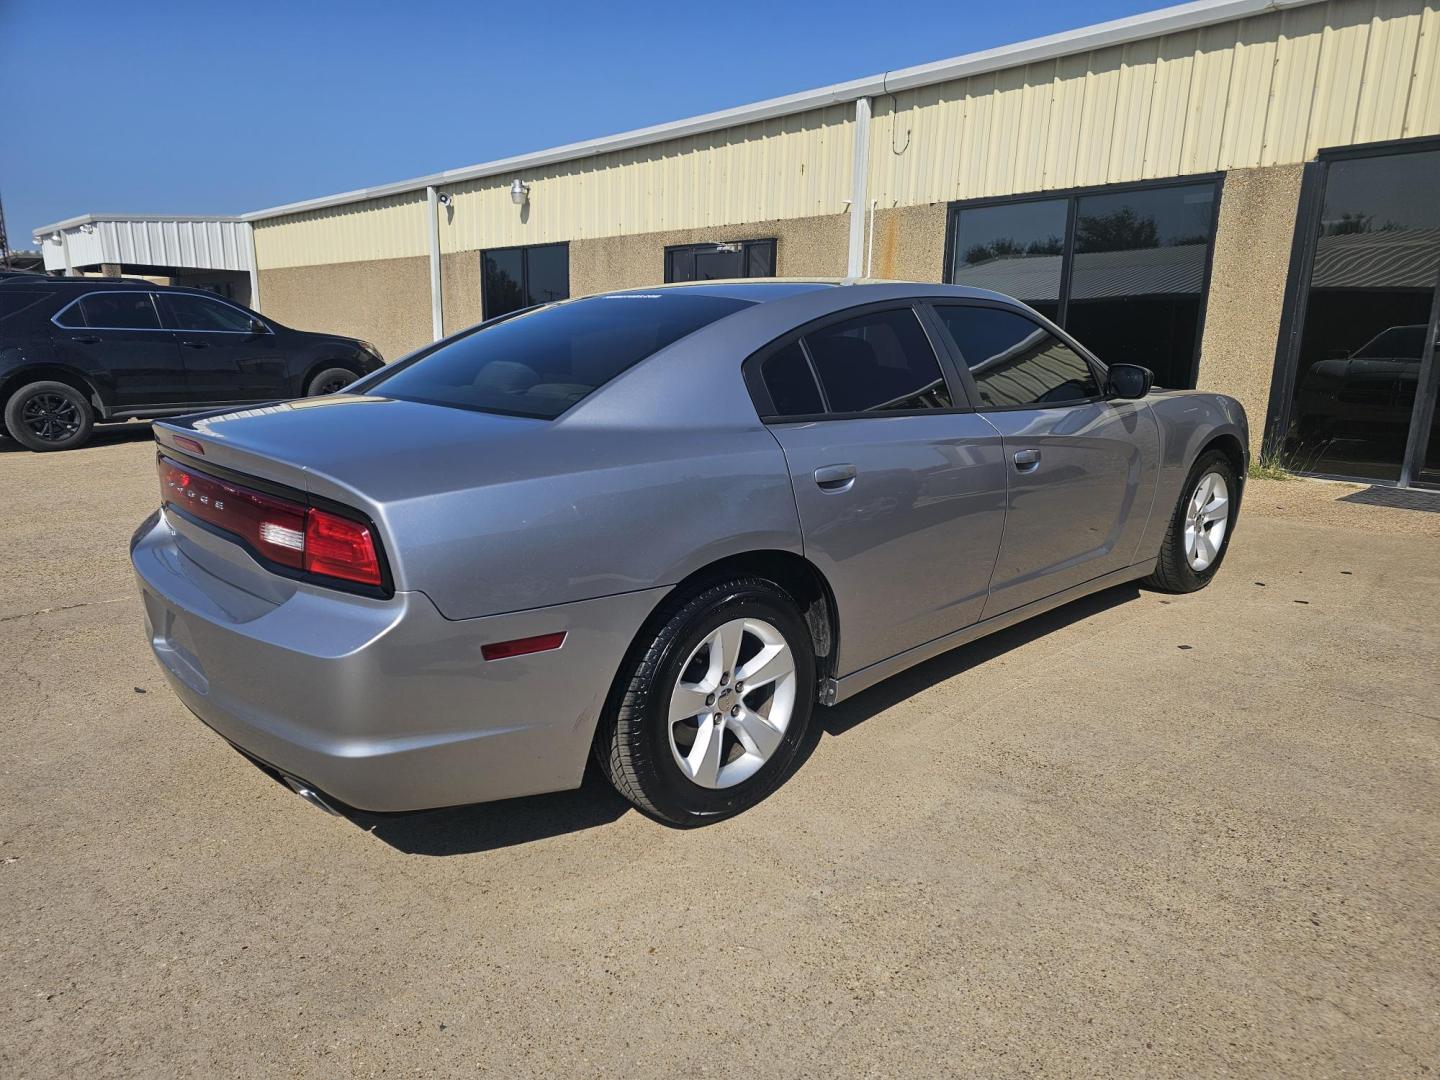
184	443
500	650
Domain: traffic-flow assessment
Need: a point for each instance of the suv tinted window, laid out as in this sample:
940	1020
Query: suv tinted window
880	362
113	311
197	313
543	361
1015	361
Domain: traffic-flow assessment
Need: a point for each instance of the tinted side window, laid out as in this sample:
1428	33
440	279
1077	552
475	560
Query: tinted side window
1015	361
73	316
880	362
197	313
791	385
119	311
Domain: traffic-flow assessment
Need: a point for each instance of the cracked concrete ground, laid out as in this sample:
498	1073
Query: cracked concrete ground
1143	836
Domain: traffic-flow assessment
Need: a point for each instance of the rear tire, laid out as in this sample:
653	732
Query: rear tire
330	381
1200	528
45	416
661	745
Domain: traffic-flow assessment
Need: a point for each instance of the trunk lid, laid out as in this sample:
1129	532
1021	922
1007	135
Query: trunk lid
364	453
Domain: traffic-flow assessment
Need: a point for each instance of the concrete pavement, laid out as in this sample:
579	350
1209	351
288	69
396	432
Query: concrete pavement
1144	835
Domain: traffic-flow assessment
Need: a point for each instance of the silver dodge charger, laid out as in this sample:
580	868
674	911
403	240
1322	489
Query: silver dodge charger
657	527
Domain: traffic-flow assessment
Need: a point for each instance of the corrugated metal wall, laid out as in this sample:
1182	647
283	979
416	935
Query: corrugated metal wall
789	167
1263	91
389	228
213	245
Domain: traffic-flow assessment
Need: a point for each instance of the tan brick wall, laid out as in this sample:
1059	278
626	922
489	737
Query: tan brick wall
1247	287
909	243
386	302
805	247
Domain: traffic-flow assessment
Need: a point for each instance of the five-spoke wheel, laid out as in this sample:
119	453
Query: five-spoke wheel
712	704
1207	519
1200	526
732	702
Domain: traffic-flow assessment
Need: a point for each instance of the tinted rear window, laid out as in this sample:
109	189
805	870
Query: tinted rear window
542	362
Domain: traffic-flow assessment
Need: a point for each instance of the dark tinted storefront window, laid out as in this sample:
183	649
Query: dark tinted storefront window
1139	275
524	276
1013	248
1123	270
1365	336
713	262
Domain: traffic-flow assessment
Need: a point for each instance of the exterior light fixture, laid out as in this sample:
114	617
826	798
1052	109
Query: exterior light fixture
443	198
519	193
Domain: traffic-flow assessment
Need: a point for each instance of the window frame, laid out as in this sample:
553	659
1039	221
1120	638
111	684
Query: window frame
671	249
1098	369
159	326
524	250
750	367
162	307
1072	196
1296	299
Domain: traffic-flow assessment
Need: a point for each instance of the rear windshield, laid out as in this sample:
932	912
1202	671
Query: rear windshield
540	363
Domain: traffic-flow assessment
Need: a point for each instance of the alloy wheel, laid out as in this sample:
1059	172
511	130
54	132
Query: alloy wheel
1207	517
50	417
732	703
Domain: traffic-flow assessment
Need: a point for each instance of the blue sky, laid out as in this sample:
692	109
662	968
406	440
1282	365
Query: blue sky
219	108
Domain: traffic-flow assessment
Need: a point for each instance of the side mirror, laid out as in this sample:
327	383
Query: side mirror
257	327
1129	381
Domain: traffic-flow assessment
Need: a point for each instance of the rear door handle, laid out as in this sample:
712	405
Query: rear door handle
1027	460
87	340
193	344
835	478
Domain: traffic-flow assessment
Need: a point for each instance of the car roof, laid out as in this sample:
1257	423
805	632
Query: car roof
33	280
755	290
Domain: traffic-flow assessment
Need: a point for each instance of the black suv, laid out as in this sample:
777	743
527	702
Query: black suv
77	350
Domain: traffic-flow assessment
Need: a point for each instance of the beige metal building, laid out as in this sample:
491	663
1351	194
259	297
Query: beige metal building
1241	194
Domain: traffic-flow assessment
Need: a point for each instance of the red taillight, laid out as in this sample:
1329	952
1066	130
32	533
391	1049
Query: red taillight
338	547
280	530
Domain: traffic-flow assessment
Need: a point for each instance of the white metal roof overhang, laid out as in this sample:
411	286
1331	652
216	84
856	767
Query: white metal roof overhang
190	243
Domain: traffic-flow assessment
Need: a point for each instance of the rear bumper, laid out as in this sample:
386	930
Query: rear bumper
383	704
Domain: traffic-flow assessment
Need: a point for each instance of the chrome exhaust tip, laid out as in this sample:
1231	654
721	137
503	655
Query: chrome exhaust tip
311	796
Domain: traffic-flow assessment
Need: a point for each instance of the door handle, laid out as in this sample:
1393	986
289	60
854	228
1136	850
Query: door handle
88	339
1027	460
193	344
835	478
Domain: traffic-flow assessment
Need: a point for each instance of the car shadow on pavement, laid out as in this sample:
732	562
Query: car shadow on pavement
848	714
468	830
103	435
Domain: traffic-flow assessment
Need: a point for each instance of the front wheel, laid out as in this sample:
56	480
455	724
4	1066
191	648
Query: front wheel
49	416
330	381
1199	531
713	705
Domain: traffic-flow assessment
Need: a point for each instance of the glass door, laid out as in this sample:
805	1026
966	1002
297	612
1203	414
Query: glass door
1363	367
